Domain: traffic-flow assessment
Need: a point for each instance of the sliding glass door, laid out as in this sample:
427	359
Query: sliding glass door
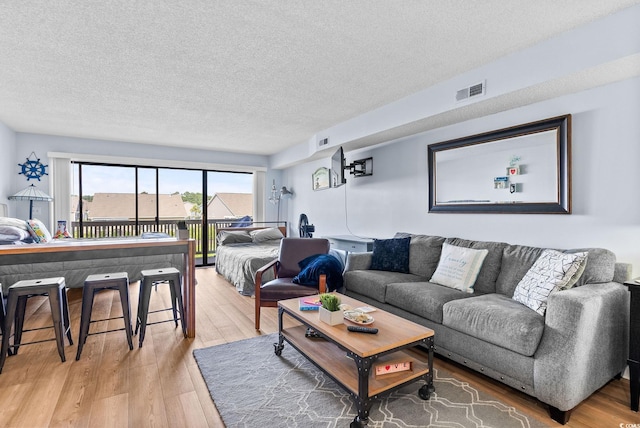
125	200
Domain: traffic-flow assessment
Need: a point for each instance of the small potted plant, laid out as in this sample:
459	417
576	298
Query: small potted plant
330	310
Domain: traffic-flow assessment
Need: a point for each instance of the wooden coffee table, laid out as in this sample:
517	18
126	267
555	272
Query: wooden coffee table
350	358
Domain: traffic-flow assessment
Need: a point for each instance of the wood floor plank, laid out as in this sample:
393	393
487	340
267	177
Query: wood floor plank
110	412
160	384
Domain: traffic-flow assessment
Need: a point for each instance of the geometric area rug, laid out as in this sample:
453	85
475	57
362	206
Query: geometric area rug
253	387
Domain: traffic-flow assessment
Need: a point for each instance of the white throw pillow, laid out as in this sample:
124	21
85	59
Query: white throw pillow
458	267
553	271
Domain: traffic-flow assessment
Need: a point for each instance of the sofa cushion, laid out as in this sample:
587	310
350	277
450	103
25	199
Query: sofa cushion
424	299
518	259
486	281
553	271
601	265
391	255
496	319
373	283
424	253
458	267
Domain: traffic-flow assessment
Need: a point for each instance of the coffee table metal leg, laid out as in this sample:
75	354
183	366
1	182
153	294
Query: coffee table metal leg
362	400
278	347
430	388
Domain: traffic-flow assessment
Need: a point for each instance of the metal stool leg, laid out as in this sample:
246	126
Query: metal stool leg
126	314
178	292
12	303
85	320
66	322
20	310
55	301
143	308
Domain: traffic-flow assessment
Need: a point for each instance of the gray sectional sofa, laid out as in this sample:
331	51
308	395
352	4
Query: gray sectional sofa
560	358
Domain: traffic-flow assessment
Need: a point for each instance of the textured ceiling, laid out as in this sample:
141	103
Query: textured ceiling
247	76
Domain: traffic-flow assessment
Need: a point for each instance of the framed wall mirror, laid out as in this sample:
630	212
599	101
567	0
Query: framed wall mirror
522	169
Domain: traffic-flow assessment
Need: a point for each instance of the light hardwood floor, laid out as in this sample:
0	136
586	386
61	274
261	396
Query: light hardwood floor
160	384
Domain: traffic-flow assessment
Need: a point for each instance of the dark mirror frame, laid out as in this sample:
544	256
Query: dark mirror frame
562	126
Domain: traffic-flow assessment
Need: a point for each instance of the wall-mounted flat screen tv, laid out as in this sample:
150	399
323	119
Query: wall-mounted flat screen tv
338	165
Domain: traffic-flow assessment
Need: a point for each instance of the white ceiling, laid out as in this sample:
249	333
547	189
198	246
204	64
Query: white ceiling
247	76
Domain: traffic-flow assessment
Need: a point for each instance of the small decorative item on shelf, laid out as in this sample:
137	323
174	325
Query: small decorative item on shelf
62	230
392	367
330	312
183	232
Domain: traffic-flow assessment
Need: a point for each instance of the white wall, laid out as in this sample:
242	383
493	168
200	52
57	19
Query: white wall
605	178
7	165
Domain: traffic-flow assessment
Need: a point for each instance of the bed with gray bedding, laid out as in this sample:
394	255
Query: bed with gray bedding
240	253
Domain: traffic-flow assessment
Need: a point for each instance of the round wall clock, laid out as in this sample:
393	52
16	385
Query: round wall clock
33	168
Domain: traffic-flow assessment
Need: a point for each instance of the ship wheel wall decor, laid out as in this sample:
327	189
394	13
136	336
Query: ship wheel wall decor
33	168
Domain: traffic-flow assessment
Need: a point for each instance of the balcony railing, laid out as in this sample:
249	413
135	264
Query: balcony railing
128	228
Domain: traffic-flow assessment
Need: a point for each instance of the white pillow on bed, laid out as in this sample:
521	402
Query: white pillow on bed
15	222
263	235
233	237
12	233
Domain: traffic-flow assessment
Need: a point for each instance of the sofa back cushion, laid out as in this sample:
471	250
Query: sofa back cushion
486	281
424	253
518	259
601	265
516	262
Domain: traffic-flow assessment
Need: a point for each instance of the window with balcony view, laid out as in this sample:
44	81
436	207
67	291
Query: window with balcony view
112	201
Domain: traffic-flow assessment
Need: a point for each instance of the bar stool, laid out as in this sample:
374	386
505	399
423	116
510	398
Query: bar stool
94	283
151	278
16	306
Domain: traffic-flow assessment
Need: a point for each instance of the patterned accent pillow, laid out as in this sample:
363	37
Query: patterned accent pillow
552	271
391	255
458	267
39	231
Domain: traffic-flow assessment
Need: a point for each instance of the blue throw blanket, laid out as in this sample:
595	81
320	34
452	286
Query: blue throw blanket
320	264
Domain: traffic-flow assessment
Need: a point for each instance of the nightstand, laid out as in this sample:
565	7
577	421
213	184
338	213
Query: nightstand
634	342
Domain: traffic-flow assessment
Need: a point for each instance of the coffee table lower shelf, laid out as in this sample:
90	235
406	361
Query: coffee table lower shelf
355	373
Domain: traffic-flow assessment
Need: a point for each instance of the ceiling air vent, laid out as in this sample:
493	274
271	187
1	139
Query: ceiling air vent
471	91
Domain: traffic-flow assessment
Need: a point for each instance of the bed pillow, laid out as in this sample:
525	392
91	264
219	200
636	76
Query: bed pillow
16	222
391	255
458	267
13	233
552	271
39	231
233	237
263	235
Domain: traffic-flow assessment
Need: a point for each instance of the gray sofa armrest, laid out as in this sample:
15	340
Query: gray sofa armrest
584	344
358	261
622	272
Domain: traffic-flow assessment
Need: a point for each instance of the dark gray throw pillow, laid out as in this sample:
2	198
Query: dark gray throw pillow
391	255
